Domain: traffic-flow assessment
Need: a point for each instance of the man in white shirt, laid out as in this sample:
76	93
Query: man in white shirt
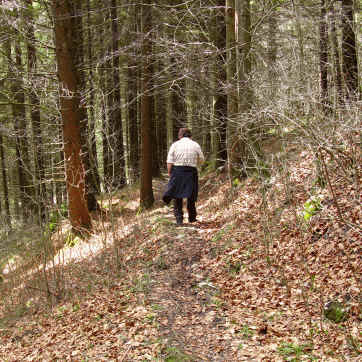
182	160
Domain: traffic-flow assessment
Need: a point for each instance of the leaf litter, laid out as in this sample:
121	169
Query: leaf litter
248	282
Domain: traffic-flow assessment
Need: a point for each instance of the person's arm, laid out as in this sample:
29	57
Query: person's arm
170	159
201	157
169	168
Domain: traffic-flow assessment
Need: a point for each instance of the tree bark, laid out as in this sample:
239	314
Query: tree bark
349	52
272	53
336	58
21	137
323	55
71	114
5	183
298	22
90	178
232	94
132	121
39	175
220	98
178	104
92	143
115	119
146	192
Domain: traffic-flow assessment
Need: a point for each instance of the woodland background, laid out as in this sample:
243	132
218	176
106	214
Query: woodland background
92	96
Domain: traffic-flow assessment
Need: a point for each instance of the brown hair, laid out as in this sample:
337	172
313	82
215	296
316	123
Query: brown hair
184	132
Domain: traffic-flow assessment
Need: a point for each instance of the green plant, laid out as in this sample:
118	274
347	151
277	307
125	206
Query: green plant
150	317
296	350
60	311
72	240
156	307
335	312
311	207
160	263
173	354
218	302
234	267
220	234
142	284
354	343
246	332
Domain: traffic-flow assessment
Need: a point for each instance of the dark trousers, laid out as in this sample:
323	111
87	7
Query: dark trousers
191	209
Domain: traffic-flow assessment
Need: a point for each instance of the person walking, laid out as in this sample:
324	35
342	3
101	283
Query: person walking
182	160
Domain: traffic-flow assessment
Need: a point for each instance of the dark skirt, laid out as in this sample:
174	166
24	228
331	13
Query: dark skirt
183	184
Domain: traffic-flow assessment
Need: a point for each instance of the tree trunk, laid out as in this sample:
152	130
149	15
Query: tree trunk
146	192
71	114
156	170
246	89
220	98
272	54
92	143
21	136
336	58
298	22
249	146
115	118
232	94
90	178
5	183
39	176
161	132
349	52
133	122
323	55
178	104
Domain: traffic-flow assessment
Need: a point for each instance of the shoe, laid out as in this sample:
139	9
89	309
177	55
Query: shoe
179	222
193	220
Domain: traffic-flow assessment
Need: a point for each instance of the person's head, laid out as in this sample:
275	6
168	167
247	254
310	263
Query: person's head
184	132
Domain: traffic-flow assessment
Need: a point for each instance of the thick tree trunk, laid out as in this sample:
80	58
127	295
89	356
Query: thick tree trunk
349	51
146	192
71	115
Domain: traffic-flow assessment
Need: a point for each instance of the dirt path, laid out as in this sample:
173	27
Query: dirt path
190	318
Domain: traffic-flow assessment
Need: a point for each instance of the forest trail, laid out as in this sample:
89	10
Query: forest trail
182	295
145	289
189	319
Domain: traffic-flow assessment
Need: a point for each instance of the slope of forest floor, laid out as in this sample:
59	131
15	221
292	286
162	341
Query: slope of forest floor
248	282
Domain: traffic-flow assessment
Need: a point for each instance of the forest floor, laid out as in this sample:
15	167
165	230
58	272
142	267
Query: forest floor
247	282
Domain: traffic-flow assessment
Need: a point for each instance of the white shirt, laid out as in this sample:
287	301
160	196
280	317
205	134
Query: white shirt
185	152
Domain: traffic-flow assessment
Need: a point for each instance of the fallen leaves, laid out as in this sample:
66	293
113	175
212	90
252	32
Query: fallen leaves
231	287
